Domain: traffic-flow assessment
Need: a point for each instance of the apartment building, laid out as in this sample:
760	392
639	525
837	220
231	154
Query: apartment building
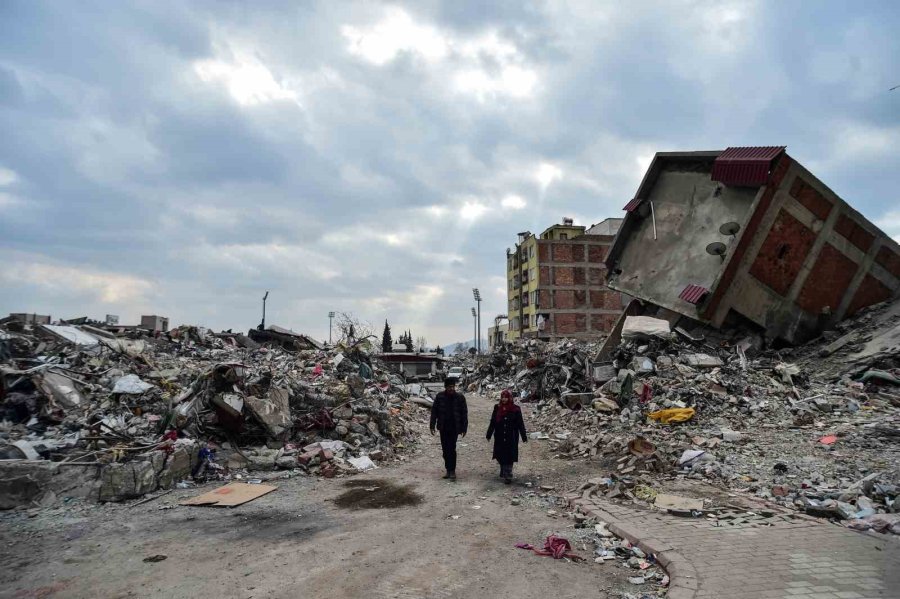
557	282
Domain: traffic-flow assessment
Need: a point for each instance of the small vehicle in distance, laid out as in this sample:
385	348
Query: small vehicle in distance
458	373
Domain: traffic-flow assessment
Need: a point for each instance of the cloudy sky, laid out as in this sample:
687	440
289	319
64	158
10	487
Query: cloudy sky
182	158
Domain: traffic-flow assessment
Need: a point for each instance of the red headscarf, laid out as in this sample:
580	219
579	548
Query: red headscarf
507	407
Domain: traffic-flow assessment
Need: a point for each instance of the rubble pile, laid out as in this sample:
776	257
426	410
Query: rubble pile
138	412
814	428
538	370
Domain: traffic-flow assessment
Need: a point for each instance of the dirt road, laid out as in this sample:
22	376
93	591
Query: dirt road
306	540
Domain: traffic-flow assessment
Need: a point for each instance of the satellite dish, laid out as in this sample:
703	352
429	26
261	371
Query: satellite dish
729	229
716	248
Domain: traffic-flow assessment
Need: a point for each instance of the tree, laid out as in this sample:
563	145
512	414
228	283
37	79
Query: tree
421	344
439	350
352	328
386	341
409	341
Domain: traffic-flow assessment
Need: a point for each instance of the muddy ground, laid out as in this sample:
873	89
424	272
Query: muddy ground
397	532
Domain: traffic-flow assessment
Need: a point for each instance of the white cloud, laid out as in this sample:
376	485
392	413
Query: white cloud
7	177
64	281
514	81
546	174
267	259
513	202
395	33
247	79
485	66
472	210
214	216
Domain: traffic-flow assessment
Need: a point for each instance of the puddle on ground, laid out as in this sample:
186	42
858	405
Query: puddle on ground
377	494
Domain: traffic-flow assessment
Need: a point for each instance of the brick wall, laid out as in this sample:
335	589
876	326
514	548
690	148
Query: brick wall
782	253
570	323
573	289
834	268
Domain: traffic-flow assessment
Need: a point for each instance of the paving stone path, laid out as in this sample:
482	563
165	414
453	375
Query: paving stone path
790	556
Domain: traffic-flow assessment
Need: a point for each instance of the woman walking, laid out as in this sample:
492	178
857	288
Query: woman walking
506	426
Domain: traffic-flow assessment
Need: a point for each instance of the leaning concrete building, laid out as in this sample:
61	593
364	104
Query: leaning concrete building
750	234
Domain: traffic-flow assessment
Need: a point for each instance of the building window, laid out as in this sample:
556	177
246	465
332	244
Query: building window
531	252
534	298
563	235
525	300
533	276
533	321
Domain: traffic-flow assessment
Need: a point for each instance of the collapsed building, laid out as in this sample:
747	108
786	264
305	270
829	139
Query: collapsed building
85	412
749	235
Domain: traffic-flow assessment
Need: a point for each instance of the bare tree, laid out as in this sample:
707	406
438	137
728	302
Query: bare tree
421	343
351	328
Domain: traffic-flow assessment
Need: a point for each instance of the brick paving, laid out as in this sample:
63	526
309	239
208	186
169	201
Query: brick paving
782	557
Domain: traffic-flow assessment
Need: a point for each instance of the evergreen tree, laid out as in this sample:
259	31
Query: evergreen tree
439	351
409	341
386	341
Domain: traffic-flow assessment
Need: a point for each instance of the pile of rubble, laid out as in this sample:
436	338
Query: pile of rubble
814	428
87	413
538	370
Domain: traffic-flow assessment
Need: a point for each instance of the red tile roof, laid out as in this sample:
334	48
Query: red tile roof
745	166
630	206
693	294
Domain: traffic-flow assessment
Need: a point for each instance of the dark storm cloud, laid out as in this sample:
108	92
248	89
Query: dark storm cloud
183	158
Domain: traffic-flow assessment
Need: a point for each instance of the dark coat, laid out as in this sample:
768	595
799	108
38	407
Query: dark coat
506	435
450	413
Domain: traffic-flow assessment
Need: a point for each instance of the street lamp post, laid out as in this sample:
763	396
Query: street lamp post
474	328
330	317
262	325
477	295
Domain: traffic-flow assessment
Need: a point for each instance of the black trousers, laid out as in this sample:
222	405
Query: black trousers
448	447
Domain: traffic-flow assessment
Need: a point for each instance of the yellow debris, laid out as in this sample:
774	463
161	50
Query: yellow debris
673	415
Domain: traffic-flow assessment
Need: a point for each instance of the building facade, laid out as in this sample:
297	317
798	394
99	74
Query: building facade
556	283
497	335
749	233
155	323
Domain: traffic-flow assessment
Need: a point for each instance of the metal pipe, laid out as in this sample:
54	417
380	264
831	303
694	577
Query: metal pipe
653	214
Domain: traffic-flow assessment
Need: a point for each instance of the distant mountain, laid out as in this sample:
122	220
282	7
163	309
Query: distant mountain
449	350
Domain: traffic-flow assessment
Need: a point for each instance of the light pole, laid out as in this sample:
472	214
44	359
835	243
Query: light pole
262	325
474	328
330	317
477	295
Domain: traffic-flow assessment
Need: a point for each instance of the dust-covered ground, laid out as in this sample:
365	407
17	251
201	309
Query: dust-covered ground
396	532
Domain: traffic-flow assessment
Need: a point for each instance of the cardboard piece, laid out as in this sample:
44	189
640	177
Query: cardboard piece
676	502
231	495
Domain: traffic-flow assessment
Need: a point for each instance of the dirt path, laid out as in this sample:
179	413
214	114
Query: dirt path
299	542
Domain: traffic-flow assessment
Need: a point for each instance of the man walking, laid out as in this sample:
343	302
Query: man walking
450	415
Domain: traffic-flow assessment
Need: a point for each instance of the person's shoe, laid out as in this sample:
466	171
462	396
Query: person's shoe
447	475
507	480
451	475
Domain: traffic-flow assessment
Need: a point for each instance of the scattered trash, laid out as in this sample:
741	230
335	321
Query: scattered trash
672	415
555	547
155	558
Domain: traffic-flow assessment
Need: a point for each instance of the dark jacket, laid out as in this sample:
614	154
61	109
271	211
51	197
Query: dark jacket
450	413
506	435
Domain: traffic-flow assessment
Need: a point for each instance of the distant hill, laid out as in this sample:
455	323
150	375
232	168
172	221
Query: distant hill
449	350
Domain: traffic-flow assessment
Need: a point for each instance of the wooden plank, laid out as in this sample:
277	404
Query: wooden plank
231	495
